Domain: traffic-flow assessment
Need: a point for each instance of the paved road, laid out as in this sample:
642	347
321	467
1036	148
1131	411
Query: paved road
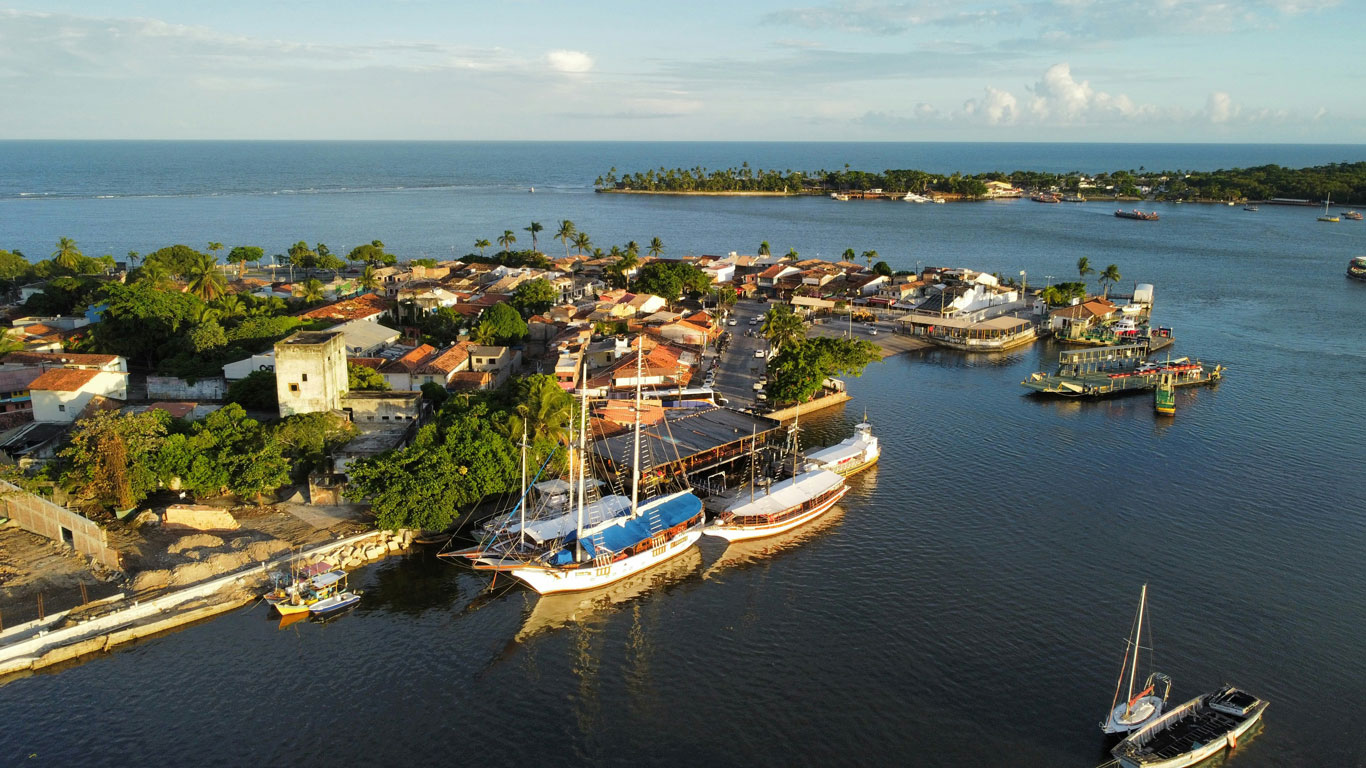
739	368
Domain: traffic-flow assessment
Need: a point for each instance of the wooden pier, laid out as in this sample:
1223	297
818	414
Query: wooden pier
1104	371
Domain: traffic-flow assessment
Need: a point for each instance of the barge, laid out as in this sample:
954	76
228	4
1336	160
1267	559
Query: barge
1192	732
1104	371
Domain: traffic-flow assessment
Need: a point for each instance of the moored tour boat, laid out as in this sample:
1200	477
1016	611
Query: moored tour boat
1137	215
1135	711
311	592
1356	268
1192	732
1164	397
850	456
785	505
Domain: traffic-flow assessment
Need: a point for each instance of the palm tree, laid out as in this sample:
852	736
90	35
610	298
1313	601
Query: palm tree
868	256
633	248
791	254
368	280
507	239
533	229
1109	277
848	254
483	333
156	274
481	244
543	410
204	313
782	326
656	247
311	291
1051	296
763	248
214	248
132	259
1084	268
564	234
206	281
230	305
67	256
581	242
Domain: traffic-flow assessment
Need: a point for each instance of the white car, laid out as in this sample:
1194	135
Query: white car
758	386
758	353
761	397
873	332
733	322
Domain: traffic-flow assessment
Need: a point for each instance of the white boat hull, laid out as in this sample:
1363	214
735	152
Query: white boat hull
546	580
1144	711
733	532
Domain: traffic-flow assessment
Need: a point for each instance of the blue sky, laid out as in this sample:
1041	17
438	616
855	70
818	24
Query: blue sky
920	70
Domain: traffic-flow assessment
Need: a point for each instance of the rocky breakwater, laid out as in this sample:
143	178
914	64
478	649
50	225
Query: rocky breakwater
355	554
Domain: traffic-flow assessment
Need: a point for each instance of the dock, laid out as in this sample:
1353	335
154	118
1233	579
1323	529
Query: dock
1105	371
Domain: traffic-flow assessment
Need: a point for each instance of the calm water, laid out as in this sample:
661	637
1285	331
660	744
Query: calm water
967	606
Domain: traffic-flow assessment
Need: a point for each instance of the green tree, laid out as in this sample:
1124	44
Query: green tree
764	249
656	247
453	463
257	391
1084	267
214	248
142	322
13	266
882	268
206	281
434	393
311	291
791	254
67	256
363	378
798	370
481	244
372	253
581	242
300	255
848	255
868	257
565	234
178	260
542	408
369	281
507	239
110	457
206	336
534	296
230	306
534	229
307	440
1109	277
331	263
231	452
782	326
242	254
504	323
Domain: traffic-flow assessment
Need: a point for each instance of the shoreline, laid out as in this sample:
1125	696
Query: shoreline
698	193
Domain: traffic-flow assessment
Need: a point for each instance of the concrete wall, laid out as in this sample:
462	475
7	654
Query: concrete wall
244	368
172	388
382	406
38	515
310	372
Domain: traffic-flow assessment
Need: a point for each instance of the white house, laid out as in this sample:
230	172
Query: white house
60	394
244	368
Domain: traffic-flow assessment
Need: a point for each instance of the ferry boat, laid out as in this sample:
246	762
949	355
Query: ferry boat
850	456
1164	397
1104	371
1136	711
1045	197
1192	732
1356	268
785	505
1353	215
1137	215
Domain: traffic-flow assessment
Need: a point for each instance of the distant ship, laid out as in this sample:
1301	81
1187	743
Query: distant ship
1137	214
1046	197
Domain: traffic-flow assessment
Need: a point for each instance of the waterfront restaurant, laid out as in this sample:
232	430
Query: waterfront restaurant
997	333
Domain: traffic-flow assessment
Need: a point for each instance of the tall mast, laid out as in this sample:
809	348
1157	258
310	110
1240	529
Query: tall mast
1138	635
753	469
796	418
583	435
635	457
521	531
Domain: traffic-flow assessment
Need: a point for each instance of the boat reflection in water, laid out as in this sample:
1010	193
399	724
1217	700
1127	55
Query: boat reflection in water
739	554
556	610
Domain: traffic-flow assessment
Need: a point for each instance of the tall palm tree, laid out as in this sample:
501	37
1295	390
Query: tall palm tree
564	234
481	244
67	256
848	254
1084	268
543	410
764	249
230	305
206	281
782	326
507	239
656	247
368	280
791	254
214	248
156	274
868	256
205	312
483	333
1109	276
132	259
581	242
533	229
311	291
633	248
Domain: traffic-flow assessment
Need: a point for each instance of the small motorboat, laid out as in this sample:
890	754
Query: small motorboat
1353	215
339	601
1192	732
1251	208
1137	215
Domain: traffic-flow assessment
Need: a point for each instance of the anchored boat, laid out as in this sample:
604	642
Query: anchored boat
1137	214
1164	397
1135	711
1104	371
1356	268
1193	731
850	456
1326	215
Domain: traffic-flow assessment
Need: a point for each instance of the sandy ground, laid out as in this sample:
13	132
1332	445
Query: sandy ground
31	565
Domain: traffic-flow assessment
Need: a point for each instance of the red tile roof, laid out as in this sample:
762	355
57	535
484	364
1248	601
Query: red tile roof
446	361
59	358
410	361
177	410
366	305
63	379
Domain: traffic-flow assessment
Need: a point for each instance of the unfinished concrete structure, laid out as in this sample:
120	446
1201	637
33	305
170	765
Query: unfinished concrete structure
310	372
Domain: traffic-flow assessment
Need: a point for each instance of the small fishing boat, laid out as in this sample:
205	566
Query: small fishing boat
339	601
1353	215
1137	215
1356	268
1326	215
1192	732
1074	198
1251	208
1135	711
1164	397
839	196
308	593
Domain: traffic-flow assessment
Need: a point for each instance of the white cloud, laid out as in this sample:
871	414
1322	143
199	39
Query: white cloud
1059	98
996	107
570	62
1219	107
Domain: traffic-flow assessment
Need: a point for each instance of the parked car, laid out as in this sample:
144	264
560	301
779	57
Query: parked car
757	386
758	353
761	397
732	321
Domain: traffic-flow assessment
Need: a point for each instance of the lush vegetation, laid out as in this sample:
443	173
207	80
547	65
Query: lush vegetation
800	367
1345	182
671	280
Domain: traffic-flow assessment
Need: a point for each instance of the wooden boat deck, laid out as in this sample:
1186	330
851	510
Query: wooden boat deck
1104	383
1190	732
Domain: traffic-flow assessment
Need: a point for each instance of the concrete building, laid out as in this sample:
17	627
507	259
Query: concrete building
61	394
310	372
365	338
370	407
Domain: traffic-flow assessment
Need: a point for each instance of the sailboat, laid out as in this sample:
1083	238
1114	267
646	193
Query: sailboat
1136	711
594	556
785	505
1326	216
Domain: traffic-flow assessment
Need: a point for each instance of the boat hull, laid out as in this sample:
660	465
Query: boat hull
1191	757
338	602
1144	711
732	532
290	609
547	580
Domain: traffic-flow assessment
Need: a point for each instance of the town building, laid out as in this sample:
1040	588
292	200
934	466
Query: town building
63	394
310	372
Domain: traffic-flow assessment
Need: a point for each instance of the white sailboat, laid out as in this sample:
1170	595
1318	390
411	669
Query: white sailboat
594	556
1136	711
